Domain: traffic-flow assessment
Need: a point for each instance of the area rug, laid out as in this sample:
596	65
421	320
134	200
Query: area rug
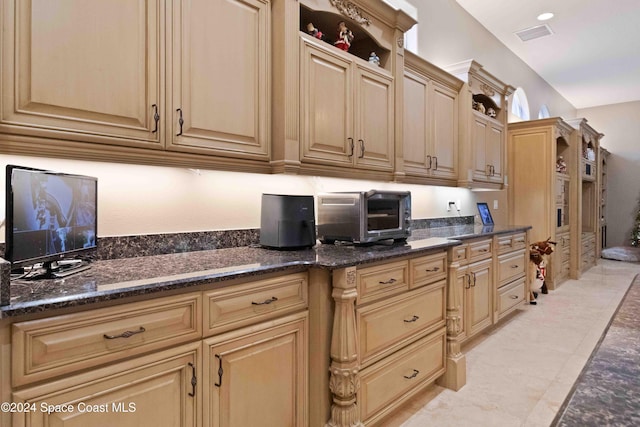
622	253
607	392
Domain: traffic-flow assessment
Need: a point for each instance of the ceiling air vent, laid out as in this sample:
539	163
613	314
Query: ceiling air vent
534	32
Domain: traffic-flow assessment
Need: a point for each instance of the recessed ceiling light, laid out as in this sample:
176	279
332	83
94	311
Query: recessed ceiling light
545	16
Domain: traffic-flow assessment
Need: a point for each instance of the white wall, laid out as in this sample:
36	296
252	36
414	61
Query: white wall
136	199
620	124
448	34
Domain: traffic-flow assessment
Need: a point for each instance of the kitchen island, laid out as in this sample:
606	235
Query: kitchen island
329	308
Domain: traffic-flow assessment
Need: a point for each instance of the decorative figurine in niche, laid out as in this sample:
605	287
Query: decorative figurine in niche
314	32
491	112
345	37
561	165
374	59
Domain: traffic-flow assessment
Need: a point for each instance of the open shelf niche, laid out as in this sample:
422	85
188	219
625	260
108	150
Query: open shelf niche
485	105
363	43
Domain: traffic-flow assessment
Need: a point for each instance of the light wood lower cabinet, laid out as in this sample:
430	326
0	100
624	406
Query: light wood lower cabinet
257	376
478	296
153	390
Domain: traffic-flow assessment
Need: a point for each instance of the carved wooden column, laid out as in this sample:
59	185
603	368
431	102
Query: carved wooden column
456	375
345	380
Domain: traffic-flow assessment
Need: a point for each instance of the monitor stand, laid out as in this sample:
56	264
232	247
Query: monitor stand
57	269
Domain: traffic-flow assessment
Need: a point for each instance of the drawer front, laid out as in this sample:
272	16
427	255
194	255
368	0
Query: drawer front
382	281
519	241
385	326
460	253
511	266
510	296
388	383
427	269
505	244
480	250
253	302
58	345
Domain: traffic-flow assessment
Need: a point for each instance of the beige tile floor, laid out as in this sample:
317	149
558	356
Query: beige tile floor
520	372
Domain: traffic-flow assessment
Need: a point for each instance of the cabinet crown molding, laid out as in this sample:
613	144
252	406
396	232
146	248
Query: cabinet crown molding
350	10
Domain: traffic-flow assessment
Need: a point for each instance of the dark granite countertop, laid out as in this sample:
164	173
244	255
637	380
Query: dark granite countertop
126	277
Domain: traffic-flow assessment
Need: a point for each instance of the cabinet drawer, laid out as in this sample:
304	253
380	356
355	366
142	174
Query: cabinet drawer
510	266
480	250
61	344
460	253
385	326
253	302
511	296
386	384
382	280
511	242
427	269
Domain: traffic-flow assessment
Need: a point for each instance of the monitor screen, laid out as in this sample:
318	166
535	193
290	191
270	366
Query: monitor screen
49	215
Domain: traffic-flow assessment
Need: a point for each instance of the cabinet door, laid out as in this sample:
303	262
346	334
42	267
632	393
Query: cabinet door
154	390
479	147
374	120
416	125
327	107
257	376
495	150
220	78
445	133
83	71
479	305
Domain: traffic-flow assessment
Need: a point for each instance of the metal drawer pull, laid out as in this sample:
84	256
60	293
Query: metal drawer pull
180	121
220	371
413	319
388	282
514	297
432	270
351	145
412	376
430	161
514	266
483	250
194	380
361	148
156	117
265	302
436	161
125	334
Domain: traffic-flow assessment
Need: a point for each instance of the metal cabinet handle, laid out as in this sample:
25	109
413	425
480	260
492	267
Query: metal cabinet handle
361	148
156	117
125	334
220	371
265	302
483	250
352	145
180	121
514	297
412	376
413	319
194	380
468	277
388	282
474	278
430	160
436	161
432	270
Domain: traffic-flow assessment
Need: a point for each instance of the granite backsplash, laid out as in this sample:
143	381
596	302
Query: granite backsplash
169	243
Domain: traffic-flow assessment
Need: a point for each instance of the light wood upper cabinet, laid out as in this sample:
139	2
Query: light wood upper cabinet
347	110
220	77
187	76
430	123
84	72
483	120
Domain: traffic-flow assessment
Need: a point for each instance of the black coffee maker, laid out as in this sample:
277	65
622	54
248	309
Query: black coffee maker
287	222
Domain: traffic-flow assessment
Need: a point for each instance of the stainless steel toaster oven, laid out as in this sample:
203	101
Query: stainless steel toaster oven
364	216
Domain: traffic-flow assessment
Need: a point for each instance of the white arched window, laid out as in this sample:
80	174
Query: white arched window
520	104
544	112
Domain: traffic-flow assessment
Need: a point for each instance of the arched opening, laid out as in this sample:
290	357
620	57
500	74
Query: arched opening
544	112
520	104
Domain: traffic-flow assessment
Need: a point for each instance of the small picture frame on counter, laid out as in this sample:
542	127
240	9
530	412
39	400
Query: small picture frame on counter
485	214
